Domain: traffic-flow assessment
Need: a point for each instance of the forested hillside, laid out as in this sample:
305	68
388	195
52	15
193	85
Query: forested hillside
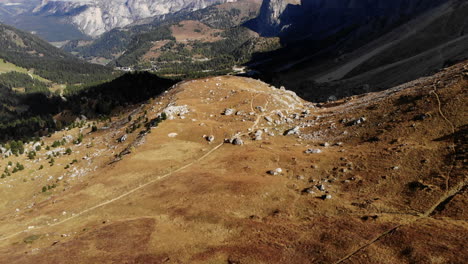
209	41
27	115
23	81
30	52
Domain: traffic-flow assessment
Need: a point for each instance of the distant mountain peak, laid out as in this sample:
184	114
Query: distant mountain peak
99	16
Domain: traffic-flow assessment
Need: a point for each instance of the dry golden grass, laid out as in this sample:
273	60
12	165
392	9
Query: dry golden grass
184	200
191	30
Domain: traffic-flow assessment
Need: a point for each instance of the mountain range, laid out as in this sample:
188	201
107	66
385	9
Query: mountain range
248	131
91	18
342	46
350	47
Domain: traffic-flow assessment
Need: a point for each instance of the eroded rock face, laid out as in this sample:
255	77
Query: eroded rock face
318	17
271	15
97	17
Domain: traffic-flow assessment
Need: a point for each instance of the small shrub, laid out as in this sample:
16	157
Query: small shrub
31	239
20	166
32	155
79	139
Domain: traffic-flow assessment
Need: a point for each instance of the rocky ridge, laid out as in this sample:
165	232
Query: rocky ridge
238	171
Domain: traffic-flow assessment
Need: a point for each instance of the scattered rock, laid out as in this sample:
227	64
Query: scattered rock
420	117
68	138
326	197
237	142
276	171
258	135
210	138
292	131
172	111
313	151
228	111
357	121
123	138
172	135
321	187
259	108
268	119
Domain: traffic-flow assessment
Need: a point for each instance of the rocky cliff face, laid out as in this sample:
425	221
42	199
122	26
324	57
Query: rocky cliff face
96	17
325	17
271	14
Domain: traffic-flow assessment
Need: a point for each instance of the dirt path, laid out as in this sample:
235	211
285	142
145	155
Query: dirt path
120	196
159	178
449	192
428	212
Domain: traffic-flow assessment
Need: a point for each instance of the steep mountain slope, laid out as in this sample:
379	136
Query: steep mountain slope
318	19
18	13
62	20
347	63
31	71
11	8
39	57
36	113
379	178
97	17
209	41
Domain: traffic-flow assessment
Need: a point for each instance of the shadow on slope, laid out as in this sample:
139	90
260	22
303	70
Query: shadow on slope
394	48
29	115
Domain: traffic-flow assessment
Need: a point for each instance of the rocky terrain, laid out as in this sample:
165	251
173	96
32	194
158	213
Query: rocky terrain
318	19
388	48
206	42
60	21
233	170
97	17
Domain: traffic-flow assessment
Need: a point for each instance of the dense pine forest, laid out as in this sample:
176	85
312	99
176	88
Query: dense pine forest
25	116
